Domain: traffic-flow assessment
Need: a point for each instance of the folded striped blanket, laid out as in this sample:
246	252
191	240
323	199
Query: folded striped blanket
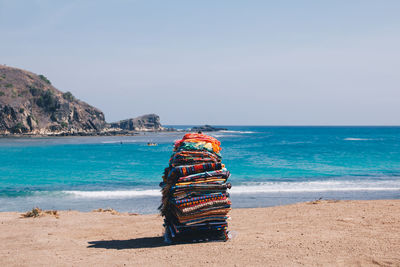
193	190
193	157
206	219
200	187
196	200
217	212
205	205
220	173
185	170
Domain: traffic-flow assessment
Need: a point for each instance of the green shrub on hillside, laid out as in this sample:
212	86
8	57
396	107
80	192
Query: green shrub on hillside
64	124
43	78
48	101
13	93
8	85
68	96
2	93
35	91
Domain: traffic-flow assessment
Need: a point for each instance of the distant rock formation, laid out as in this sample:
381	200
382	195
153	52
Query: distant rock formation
29	104
207	128
149	122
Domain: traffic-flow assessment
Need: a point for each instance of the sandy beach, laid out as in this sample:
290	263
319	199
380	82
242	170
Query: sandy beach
323	233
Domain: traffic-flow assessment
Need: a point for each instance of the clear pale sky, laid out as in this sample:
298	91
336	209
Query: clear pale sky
216	62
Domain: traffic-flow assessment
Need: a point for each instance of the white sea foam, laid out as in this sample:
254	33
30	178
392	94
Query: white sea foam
240	132
222	135
265	187
316	186
356	139
114	194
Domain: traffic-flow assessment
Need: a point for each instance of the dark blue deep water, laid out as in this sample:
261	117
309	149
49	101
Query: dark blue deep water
269	166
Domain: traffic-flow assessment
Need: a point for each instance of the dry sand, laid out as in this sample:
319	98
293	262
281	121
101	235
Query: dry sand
328	233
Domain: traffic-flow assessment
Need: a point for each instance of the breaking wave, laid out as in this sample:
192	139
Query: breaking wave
240	132
356	139
250	188
114	194
317	186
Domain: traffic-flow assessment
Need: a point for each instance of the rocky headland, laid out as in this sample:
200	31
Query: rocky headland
207	128
145	123
31	105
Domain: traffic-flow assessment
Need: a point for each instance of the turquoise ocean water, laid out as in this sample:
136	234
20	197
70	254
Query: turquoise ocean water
269	166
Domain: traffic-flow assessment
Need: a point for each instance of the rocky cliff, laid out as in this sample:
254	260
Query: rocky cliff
149	122
30	104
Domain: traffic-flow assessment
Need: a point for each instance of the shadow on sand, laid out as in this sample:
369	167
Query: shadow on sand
143	242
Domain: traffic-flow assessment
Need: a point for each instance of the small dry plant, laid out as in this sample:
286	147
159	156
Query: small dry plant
37	212
110	210
320	201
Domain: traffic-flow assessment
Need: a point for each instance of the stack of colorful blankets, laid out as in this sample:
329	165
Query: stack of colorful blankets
195	202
